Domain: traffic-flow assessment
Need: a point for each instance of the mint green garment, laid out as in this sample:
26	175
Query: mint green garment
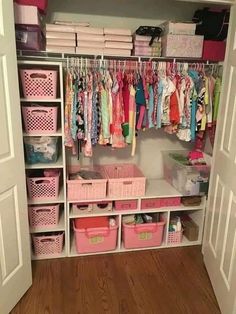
216	98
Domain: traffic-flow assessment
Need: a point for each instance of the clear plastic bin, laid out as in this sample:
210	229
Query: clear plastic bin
187	179
41	149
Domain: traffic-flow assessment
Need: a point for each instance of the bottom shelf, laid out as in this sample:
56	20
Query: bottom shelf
185	242
49	256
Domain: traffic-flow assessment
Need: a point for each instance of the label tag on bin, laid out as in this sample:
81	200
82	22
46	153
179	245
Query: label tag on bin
96	240
145	236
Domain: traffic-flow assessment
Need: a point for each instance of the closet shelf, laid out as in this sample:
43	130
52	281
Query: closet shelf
58	56
60	199
57	164
74	213
59	227
57	133
41	100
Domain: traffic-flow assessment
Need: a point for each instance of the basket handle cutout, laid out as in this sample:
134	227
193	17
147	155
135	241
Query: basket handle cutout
38	111
43	210
90	233
83	184
145	229
38	75
127	182
41	181
47	240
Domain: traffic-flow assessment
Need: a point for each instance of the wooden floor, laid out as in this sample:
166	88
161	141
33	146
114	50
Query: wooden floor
167	281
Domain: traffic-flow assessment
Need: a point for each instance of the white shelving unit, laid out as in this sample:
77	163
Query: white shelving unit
155	189
59	164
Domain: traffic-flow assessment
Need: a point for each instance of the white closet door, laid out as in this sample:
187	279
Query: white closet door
220	238
15	262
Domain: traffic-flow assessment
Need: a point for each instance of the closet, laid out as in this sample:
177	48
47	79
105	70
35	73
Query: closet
160	199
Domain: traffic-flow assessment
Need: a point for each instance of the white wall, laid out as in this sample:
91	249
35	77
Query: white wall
148	157
120	13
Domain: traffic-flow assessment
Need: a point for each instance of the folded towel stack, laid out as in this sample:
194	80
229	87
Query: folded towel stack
118	42
90	40
61	36
142	48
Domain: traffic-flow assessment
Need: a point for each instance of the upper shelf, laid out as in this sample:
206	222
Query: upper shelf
58	56
40	100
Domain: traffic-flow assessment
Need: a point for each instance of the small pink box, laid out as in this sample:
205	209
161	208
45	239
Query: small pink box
182	46
126	205
26	14
40	4
150	203
143	235
170	201
214	50
95	239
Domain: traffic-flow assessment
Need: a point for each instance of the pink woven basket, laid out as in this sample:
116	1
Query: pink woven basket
48	244
40	119
175	237
43	215
86	189
125	180
43	187
39	83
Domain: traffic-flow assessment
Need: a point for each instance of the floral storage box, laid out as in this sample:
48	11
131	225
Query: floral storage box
182	46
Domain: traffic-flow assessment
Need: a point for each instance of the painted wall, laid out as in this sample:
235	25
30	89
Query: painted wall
148	155
121	13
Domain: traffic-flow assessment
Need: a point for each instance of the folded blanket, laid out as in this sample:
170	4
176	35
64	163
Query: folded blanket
90	37
89	30
61	42
117	31
90	44
119	45
89	51
117	52
60	35
50	48
60	28
127	39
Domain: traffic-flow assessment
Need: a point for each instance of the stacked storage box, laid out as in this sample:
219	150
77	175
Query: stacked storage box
29	26
60	38
118	42
180	41
142	48
90	40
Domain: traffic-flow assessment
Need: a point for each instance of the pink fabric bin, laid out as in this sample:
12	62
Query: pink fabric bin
126	205
95	239
40	4
29	38
214	50
151	203
125	180
78	190
143	235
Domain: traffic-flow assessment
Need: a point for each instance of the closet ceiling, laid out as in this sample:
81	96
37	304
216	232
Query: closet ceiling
146	9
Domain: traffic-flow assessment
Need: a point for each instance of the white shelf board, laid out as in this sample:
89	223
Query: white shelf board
57	133
74	213
57	164
59	199
155	188
40	100
48	256
59	227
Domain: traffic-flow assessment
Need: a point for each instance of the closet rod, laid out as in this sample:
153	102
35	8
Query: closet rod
58	57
